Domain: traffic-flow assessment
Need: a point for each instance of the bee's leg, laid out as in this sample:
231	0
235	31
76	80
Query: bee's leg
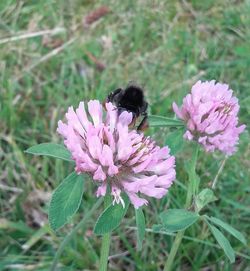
104	104
111	97
144	124
116	91
133	122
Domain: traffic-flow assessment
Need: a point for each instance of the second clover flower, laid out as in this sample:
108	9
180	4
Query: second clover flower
210	112
102	145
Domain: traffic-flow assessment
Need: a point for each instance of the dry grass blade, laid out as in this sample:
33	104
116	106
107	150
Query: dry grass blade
47	57
12	189
95	15
99	65
22	36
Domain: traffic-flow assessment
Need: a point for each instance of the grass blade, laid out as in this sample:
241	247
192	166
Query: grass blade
140	223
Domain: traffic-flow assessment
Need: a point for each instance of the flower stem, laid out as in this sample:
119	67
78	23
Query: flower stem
193	183
193	180
105	240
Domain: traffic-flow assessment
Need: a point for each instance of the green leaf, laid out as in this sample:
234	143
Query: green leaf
140	223
229	229
175	141
159	121
111	217
178	219
50	149
203	198
223	242
66	200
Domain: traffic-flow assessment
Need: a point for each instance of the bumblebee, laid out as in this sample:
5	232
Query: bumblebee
131	99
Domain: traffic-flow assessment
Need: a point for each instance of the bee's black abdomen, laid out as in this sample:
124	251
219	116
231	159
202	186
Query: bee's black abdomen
134	96
133	100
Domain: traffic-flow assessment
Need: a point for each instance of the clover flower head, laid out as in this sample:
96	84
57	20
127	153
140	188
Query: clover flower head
102	145
210	113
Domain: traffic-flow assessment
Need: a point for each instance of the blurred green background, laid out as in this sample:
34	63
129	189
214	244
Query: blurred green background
56	53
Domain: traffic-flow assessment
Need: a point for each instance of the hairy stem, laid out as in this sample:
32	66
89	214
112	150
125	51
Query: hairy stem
193	183
105	240
73	232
